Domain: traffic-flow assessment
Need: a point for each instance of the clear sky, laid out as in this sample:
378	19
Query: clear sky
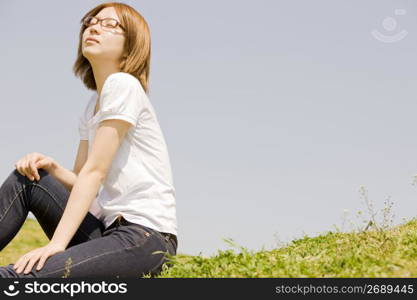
274	112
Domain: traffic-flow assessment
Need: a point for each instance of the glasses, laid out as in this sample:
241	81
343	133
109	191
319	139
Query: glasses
109	23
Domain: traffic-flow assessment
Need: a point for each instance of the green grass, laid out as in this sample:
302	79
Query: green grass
368	253
28	238
376	249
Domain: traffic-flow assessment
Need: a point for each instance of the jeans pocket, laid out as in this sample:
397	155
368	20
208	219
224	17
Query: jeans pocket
130	235
141	229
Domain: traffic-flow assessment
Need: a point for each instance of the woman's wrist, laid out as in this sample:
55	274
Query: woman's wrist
52	167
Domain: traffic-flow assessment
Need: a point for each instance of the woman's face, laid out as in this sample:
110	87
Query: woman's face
110	40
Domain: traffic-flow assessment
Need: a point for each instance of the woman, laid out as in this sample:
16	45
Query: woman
128	227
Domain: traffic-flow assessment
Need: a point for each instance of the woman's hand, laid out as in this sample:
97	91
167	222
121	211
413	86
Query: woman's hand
28	260
30	163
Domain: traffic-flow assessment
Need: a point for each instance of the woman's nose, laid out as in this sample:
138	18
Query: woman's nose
95	28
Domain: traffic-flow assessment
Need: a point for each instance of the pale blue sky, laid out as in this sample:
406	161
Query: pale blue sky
274	112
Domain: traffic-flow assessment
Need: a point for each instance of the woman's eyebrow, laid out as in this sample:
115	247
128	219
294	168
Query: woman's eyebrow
106	18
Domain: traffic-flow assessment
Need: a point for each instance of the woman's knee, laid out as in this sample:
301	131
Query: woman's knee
15	175
25	179
34	189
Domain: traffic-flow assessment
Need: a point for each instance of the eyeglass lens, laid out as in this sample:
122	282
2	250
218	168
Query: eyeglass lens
107	22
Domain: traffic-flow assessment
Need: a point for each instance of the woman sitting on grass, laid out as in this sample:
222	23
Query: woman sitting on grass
114	231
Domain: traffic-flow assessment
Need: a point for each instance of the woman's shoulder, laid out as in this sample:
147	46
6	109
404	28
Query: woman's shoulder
125	78
91	101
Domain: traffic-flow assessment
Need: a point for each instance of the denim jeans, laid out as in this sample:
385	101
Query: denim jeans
123	250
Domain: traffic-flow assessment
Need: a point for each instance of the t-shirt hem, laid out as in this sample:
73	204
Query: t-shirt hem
146	224
126	118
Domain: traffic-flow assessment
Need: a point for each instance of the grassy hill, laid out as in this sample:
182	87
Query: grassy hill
28	238
368	253
374	252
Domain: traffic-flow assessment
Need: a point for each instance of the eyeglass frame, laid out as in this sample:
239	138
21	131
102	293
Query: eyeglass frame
101	24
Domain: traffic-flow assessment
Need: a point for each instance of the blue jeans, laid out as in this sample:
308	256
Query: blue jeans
123	250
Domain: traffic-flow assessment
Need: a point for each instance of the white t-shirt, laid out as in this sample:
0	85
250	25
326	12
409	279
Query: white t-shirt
139	184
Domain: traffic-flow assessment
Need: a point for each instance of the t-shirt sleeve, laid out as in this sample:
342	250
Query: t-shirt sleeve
82	124
122	98
82	128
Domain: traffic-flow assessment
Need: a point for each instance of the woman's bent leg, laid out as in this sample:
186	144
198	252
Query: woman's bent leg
123	252
46	199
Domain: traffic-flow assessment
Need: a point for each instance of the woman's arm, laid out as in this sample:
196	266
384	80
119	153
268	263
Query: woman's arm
108	138
65	176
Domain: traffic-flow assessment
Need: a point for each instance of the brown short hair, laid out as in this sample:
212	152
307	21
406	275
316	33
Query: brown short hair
137	49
